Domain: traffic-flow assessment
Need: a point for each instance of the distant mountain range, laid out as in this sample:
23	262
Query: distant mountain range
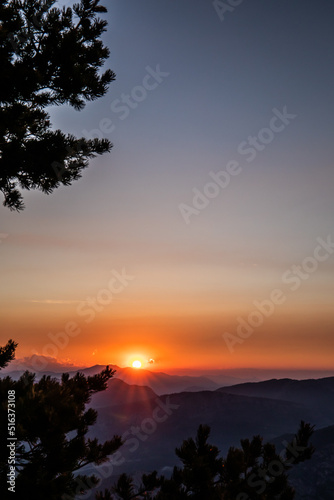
231	416
316	395
163	383
271	408
118	392
160	382
155	412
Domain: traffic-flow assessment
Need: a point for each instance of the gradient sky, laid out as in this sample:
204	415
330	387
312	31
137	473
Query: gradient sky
191	283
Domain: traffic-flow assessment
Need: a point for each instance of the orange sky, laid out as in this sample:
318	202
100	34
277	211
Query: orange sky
173	334
75	303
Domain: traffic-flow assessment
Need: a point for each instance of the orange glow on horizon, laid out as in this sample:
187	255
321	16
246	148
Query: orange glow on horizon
164	343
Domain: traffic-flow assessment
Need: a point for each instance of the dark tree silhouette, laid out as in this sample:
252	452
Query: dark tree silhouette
7	353
48	56
51	427
253	472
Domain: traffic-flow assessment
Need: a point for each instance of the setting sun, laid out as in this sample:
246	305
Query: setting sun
136	364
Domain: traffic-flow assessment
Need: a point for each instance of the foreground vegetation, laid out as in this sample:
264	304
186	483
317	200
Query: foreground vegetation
51	446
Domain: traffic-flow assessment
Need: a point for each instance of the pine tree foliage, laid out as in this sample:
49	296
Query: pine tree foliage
48	56
125	489
255	471
51	426
7	353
